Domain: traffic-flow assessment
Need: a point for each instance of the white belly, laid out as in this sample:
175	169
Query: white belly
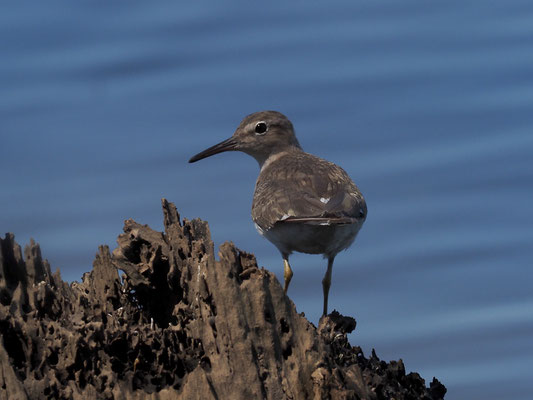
313	239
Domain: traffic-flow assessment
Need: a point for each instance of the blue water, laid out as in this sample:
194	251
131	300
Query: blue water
427	105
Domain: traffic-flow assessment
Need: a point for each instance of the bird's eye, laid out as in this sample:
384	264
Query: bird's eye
261	128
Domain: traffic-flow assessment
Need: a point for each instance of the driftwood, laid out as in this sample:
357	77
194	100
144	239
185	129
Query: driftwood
176	324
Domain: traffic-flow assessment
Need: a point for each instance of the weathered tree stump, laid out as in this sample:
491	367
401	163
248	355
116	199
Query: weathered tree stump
176	324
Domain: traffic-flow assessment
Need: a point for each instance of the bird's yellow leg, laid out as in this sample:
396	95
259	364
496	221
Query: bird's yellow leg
326	283
287	273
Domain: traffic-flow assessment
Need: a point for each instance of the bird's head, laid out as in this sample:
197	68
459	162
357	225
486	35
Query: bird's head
260	135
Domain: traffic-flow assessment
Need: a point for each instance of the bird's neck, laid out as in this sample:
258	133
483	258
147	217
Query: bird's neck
270	158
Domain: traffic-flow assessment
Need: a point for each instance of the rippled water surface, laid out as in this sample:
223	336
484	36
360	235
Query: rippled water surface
427	105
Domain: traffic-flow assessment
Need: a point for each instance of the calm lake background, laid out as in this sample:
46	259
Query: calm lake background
427	105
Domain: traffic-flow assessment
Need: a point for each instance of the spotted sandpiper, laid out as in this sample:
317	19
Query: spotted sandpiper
301	202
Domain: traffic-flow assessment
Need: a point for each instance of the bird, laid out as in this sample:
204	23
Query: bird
302	203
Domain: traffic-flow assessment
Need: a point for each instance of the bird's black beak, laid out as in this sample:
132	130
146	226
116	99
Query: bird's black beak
227	145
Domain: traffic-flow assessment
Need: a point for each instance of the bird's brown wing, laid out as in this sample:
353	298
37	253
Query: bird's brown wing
306	189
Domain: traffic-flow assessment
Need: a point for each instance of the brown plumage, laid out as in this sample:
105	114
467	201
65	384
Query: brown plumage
296	187
301	202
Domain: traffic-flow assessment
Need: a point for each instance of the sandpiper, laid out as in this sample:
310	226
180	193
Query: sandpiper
301	202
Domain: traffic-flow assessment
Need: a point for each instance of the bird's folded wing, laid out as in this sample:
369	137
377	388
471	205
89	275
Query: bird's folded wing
339	205
320	220
304	188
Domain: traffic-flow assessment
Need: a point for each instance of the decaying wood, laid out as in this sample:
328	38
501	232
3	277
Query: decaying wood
176	324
